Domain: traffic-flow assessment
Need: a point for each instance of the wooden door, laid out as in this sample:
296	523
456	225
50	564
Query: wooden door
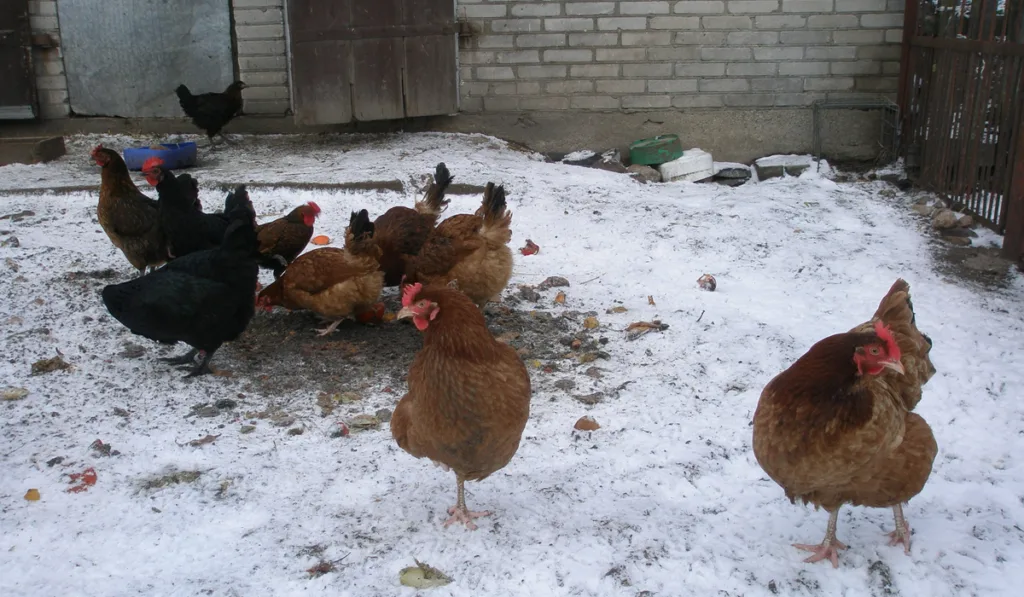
17	85
356	60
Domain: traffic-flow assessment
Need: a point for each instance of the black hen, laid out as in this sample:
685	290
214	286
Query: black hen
204	299
212	111
186	228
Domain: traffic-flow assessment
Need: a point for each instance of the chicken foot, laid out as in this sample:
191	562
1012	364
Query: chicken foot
188	358
460	513
327	330
829	547
203	367
902	532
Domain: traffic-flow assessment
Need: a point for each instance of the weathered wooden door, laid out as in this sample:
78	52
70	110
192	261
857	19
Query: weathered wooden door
372	59
17	88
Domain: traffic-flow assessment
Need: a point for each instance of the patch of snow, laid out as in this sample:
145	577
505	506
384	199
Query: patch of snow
665	498
579	155
986	237
785	160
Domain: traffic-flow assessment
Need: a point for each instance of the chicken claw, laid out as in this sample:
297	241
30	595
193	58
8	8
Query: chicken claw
829	547
902	532
327	330
465	516
188	358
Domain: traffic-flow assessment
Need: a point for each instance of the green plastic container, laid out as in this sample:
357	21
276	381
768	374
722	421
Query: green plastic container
656	150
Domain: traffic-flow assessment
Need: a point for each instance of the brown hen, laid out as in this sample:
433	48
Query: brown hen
469	251
333	283
836	428
400	231
469	395
130	218
284	238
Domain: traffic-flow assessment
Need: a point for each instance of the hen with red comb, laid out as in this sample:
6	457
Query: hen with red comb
283	239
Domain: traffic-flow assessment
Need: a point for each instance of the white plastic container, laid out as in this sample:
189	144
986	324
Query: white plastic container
695	164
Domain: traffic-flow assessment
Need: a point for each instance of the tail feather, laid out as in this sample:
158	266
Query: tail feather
497	219
360	224
186	99
434	202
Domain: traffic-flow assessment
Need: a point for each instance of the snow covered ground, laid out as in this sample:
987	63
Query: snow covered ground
665	499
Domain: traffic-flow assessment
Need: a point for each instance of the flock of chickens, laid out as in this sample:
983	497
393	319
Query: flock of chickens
835	428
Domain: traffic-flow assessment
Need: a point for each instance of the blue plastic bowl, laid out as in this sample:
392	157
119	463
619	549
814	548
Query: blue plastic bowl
174	155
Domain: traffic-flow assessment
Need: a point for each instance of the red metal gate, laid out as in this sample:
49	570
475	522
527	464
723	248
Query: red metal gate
17	86
963	115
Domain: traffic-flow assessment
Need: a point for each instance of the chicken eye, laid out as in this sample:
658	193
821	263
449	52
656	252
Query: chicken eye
873	350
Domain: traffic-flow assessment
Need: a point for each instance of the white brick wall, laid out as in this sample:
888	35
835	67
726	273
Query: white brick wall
51	84
262	55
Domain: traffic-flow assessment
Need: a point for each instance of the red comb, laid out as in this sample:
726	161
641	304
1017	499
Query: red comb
892	347
316	208
151	163
409	293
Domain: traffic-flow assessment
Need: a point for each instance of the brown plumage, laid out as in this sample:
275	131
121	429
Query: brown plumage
286	237
130	218
334	283
835	428
469	250
400	231
469	395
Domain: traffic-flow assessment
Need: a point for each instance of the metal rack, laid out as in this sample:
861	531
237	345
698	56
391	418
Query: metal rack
889	136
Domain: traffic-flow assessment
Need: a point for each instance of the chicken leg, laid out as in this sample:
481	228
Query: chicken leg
203	367
829	546
186	359
327	330
902	532
460	513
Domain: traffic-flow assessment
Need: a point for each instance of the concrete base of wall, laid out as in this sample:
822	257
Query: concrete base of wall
730	135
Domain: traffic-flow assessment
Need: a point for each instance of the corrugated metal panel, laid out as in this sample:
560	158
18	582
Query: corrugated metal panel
125	57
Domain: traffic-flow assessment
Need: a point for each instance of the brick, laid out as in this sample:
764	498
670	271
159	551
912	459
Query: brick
830	52
593	102
594	70
801	38
593	39
700	69
465	73
537	9
828	84
515	25
266	78
256	3
501	104
893	36
569	24
481	89
890	68
471	104
630	23
643	8
495	41
778	53
647	70
490	73
43	8
876	83
269	47
797	99
621	55
698	7
541	72
857	67
858	36
896	6
701	38
590	8
833	22
51	82
725	54
280	106
807	5
43	23
571	86
540	40
727	22
749	100
265	93
881	21
52	111
751	69
752	38
646	101
679	53
888	52
739	7
778	85
724	85
258	16
52	96
672	86
625	86
568	55
780	22
499	88
254	32
647	38
277	63
483	11
860	5
516	57
527	87
803	68
702	100
675	23
48	67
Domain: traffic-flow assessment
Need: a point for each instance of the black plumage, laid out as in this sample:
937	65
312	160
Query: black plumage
211	111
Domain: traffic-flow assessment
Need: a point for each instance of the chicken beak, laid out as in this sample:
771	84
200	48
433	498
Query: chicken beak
895	366
404	313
